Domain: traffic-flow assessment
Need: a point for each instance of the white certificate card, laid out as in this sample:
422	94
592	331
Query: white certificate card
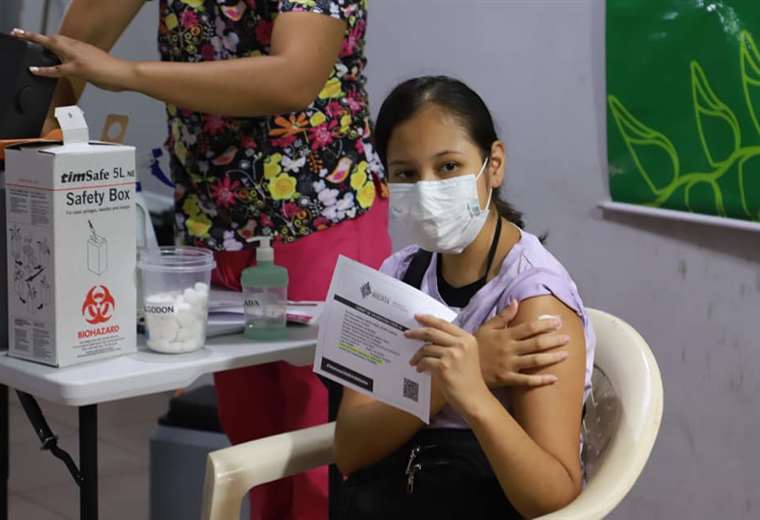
361	341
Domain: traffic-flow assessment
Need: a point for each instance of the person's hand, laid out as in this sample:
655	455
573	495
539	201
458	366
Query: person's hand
506	351
80	60
451	356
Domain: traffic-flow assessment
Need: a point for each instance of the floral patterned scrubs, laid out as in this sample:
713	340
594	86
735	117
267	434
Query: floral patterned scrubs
287	175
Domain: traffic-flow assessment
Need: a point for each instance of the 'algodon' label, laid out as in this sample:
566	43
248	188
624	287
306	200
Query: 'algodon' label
159	309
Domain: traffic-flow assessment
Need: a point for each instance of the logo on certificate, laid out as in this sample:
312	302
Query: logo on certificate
366	290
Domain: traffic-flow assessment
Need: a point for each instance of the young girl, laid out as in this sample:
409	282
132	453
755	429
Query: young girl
505	452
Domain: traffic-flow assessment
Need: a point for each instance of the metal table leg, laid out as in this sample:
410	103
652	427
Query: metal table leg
88	462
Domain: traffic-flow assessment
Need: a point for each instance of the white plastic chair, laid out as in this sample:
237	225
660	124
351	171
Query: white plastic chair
621	423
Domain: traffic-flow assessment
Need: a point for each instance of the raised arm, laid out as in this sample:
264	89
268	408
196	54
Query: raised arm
534	450
97	23
304	49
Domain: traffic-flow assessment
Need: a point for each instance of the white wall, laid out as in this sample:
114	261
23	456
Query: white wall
692	291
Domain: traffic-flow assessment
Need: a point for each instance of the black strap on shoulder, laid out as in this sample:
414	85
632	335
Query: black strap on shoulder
417	267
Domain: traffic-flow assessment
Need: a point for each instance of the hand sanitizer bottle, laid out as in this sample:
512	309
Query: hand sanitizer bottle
265	294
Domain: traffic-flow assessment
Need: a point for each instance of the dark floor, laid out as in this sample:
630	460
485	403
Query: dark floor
40	485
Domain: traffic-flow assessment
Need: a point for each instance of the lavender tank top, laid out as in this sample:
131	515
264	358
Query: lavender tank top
528	270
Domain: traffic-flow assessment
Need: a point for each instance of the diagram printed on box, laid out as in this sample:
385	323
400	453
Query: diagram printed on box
97	252
31	265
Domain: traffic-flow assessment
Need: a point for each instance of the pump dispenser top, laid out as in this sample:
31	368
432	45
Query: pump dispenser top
264	251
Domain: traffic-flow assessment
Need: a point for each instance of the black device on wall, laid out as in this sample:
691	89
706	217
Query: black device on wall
24	97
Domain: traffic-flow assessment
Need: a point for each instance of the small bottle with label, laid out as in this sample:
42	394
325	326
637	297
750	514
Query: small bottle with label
265	294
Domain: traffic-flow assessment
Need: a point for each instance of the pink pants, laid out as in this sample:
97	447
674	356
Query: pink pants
265	400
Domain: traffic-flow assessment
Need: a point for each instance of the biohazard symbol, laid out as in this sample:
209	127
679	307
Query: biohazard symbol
98	305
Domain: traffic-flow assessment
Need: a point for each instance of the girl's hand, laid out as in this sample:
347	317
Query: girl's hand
451	355
506	351
81	60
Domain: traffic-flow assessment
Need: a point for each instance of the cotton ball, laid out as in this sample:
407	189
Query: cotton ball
200	312
161	345
186	320
200	307
200	332
159	298
192	332
192	296
196	298
168	330
161	326
194	344
185	315
182	307
185	346
184	334
155	322
178	323
177	347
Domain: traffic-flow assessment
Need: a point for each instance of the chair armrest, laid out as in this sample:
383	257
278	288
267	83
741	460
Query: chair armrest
231	472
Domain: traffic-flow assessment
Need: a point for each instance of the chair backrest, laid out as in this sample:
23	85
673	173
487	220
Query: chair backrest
623	417
601	421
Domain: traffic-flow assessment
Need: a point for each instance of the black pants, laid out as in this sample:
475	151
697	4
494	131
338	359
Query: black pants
451	479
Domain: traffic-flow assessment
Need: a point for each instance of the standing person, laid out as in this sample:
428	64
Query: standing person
269	134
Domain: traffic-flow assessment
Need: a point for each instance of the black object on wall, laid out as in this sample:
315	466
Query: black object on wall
24	98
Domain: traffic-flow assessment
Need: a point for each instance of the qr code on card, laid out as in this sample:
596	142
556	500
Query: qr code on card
411	390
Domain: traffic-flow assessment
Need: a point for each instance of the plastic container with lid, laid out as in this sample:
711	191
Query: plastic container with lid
175	288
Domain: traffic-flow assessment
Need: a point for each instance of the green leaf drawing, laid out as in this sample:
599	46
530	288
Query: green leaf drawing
749	185
749	58
717	171
641	141
704	197
712	115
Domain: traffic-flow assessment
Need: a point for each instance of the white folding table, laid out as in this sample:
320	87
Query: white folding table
143	373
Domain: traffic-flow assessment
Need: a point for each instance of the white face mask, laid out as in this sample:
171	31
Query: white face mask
441	216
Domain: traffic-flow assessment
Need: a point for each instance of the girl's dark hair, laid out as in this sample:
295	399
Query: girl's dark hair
453	96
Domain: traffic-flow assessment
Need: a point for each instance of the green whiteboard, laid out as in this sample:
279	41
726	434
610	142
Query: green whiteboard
683	105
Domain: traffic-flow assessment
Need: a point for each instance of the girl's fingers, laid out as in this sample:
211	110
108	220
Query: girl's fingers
546	341
430	335
535	327
429	364
532	381
502	319
434	351
540	360
510	312
437	323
